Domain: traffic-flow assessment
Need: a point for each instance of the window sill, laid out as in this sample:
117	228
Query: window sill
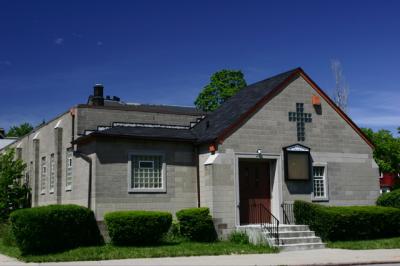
319	199
68	189
138	191
42	193
51	191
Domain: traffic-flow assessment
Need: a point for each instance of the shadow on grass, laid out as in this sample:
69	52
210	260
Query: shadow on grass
166	248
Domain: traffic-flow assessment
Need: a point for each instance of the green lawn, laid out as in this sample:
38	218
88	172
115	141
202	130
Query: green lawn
167	249
367	244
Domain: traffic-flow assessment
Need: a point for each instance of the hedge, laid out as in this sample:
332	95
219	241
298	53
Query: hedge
137	227
54	228
390	199
348	223
196	224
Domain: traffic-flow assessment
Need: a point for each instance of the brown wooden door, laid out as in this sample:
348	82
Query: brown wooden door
254	189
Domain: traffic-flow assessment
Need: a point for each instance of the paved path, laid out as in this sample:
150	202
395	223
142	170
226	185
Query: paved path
309	257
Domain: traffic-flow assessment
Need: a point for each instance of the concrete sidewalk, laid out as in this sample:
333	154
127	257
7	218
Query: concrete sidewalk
309	257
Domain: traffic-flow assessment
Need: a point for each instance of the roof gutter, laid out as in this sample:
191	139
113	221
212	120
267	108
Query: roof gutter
92	136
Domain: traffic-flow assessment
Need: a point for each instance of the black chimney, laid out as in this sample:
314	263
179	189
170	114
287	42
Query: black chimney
98	98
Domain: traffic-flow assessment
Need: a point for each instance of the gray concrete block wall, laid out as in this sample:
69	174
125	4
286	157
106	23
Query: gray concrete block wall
352	181
111	183
90	118
53	138
217	190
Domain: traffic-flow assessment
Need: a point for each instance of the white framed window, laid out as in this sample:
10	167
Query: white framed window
52	173
320	182
146	172
43	175
69	167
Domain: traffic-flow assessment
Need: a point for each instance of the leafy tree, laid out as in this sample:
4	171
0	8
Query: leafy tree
223	84
19	131
387	150
14	193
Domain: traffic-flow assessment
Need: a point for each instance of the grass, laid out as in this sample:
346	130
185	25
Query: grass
385	243
166	249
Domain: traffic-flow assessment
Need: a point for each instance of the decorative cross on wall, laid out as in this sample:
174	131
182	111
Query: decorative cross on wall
300	118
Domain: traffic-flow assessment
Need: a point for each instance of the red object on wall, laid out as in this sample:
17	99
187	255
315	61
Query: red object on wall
315	100
388	180
212	148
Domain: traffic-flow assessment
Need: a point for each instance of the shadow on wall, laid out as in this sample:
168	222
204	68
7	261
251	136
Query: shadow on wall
116	151
299	187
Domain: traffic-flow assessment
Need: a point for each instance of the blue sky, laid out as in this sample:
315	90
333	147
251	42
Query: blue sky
52	52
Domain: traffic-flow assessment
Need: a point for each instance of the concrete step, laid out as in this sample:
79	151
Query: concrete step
292	228
296	234
299	240
303	246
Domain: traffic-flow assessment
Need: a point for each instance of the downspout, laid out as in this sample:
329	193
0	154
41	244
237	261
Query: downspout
89	161
72	111
196	154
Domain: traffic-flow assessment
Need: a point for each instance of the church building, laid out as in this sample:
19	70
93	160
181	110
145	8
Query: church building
275	141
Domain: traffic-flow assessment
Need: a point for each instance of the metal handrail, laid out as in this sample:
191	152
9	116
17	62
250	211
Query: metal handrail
268	222
288	214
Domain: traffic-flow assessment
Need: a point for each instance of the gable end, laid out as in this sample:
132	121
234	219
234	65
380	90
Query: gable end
297	73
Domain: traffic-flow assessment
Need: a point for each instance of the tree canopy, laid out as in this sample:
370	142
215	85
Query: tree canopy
223	85
14	192
387	150
19	131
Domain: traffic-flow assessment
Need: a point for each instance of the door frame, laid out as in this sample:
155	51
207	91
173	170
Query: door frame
275	181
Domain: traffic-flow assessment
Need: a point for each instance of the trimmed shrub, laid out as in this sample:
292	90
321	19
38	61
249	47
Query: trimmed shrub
196	224
6	234
238	237
137	227
390	199
348	223
53	228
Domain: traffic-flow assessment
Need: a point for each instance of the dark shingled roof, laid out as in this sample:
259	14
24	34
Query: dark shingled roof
149	133
211	127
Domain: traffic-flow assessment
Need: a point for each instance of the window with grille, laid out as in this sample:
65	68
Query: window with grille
147	173
319	182
43	175
69	163
52	173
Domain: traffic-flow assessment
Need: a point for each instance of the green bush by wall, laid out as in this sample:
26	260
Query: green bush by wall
137	227
196	224
348	223
390	199
53	228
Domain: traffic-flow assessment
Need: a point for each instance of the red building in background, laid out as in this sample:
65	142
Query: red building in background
387	181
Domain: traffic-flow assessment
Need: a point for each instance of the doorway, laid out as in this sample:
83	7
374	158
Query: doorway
254	189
